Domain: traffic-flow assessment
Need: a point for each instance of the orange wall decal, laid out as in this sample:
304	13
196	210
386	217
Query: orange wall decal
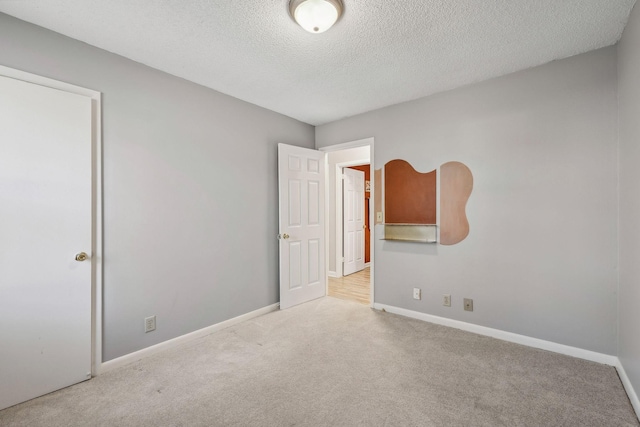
410	196
456	183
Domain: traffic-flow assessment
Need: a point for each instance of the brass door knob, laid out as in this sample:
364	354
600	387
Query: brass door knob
285	236
82	256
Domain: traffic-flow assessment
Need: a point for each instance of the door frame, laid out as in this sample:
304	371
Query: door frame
366	142
96	199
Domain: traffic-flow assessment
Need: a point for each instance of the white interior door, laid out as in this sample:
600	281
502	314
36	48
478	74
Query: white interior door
45	220
302	251
353	218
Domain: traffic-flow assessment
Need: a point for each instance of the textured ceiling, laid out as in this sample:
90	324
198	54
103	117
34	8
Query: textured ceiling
381	52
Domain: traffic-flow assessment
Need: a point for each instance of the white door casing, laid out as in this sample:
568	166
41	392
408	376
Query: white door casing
45	220
301	180
353	220
366	142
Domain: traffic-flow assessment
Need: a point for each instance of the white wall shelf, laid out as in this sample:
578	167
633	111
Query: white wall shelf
421	233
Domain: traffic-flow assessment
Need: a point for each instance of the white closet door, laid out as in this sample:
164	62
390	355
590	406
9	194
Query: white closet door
45	221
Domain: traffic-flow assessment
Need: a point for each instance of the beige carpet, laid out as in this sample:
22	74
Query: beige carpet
338	363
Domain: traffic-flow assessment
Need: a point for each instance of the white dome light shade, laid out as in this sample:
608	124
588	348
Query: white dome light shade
316	16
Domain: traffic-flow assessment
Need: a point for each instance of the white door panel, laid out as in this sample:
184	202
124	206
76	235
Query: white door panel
301	194
45	220
353	216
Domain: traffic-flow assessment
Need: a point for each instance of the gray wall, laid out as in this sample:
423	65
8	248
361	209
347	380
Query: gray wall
541	257
190	195
190	190
629	109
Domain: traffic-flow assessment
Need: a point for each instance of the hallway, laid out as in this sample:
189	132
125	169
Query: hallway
354	287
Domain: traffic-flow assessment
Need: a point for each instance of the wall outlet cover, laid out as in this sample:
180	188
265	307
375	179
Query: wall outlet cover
446	300
468	304
417	294
149	324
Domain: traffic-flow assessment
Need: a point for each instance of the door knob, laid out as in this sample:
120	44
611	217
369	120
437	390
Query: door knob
82	256
283	236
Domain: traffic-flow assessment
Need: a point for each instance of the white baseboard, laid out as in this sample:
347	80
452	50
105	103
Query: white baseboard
505	336
367	264
332	274
626	382
146	352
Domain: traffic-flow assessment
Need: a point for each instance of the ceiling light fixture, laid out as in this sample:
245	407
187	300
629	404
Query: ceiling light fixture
316	16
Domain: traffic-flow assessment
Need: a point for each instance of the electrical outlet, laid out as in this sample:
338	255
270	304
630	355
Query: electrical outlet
446	300
417	294
378	216
150	324
468	304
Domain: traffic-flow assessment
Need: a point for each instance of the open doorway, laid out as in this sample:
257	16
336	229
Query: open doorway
353	283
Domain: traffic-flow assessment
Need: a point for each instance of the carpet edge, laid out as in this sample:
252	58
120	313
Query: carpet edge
580	353
165	345
631	392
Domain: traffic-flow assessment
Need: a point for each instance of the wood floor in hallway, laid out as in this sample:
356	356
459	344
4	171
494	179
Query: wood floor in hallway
354	287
